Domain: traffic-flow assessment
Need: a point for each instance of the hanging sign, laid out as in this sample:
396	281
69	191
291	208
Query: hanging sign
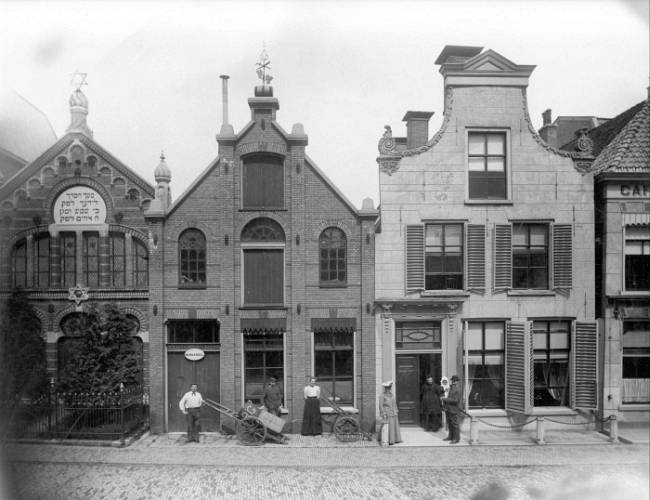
79	205
194	354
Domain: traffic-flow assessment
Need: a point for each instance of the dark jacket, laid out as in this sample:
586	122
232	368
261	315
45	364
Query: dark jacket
273	396
431	398
452	402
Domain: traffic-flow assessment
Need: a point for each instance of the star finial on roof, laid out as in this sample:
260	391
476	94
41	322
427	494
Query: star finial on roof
78	79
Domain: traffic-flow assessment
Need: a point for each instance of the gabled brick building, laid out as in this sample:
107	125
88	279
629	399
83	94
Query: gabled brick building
265	269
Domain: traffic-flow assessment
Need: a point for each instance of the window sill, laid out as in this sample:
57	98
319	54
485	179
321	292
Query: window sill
542	411
488	202
333	285
632	294
634	407
444	293
531	293
263	306
487	412
192	286
325	410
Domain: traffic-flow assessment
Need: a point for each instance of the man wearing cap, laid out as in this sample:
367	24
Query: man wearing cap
452	409
273	397
190	405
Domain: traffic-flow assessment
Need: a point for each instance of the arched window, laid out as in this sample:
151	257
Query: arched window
192	258
140	264
262	243
117	259
333	257
19	263
42	260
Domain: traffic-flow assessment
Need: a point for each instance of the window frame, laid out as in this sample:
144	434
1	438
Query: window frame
446	275
68	258
258	159
505	133
484	352
42	274
529	253
267	371
19	262
138	272
90	260
333	349
329	258
548	352
193	324
198	263
645	245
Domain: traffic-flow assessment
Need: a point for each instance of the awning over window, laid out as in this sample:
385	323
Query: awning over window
264	326
347	325
642	219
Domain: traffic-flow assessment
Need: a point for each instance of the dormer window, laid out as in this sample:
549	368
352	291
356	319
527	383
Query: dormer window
263	183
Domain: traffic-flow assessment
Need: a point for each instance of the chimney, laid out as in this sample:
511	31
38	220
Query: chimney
226	128
417	128
548	132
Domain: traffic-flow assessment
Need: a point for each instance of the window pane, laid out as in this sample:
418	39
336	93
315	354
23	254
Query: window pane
343	363
538	279
559	341
519	235
495	144
539	340
476	164
496	164
324	363
475	336
433	235
343	391
494	336
476	144
538	235
453	235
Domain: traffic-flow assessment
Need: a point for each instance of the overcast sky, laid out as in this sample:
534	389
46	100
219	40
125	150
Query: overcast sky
342	69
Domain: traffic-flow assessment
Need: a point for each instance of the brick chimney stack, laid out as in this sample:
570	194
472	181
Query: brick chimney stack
548	132
417	128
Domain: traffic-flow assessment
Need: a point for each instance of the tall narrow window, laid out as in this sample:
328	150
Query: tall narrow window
334	365
486	361
637	257
192	258
333	257
117	259
552	345
263	359
530	256
487	165
140	263
263	255
68	253
19	258
636	362
263	182
444	257
42	260
91	259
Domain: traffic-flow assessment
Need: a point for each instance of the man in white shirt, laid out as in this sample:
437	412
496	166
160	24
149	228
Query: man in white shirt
190	405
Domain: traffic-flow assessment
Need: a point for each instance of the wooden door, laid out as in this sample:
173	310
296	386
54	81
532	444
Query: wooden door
181	373
407	388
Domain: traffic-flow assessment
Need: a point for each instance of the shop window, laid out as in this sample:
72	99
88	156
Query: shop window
193	332
19	263
334	365
637	258
262	243
333	257
192	258
486	364
262	183
91	259
42	260
117	259
418	335
636	362
443	257
263	359
551	345
140	264
487	165
68	256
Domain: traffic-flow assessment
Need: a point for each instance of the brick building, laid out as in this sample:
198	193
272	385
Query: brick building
485	254
261	268
72	232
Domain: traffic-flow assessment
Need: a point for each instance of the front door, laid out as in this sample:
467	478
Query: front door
181	373
412	371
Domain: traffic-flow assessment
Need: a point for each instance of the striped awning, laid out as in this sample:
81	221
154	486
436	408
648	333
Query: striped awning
333	325
264	326
636	219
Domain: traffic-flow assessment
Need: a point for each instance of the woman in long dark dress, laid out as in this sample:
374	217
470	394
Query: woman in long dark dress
311	423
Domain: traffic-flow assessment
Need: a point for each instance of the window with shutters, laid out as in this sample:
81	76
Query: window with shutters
552	346
19	264
333	257
262	182
637	258
334	364
487	166
636	362
486	364
530	256
443	257
192	258
262	242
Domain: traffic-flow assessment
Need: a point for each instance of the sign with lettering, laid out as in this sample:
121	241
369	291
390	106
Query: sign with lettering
79	205
628	190
194	354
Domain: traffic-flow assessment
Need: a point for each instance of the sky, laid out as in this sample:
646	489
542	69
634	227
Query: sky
342	69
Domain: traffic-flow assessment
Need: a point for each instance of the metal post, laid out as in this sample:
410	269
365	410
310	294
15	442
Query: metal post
122	412
473	431
613	429
52	407
540	430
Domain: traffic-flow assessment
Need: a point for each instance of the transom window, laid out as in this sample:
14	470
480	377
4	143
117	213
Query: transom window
418	335
193	332
486	362
263	359
487	165
263	182
552	346
637	257
333	257
444	257
530	256
334	365
192	258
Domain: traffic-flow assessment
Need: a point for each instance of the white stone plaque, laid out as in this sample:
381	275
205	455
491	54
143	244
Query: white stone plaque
79	205
194	354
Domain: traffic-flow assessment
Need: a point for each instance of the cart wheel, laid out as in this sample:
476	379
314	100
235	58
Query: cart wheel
251	431
346	429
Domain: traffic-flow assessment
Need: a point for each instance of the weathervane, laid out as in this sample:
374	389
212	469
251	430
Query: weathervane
78	79
263	66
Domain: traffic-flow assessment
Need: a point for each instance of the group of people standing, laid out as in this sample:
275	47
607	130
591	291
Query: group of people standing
435	399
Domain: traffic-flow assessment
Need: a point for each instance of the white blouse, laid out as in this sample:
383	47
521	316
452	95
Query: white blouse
312	392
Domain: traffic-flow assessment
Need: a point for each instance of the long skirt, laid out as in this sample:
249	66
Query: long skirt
394	435
311	423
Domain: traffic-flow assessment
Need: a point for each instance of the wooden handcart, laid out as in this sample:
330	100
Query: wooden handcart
254	425
346	426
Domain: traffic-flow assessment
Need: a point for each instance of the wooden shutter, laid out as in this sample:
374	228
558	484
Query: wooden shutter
562	257
502	257
584	365
414	257
263	276
476	257
519	366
